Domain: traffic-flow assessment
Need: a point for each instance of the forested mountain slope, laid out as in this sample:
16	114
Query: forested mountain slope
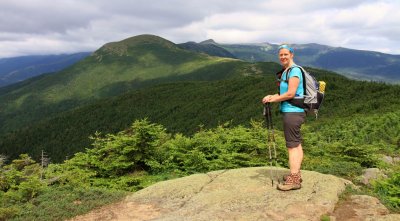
115	68
185	107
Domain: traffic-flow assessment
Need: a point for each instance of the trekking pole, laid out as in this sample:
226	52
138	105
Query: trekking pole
275	159
271	138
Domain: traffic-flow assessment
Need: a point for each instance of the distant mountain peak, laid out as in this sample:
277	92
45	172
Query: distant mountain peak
144	38
121	48
208	47
209	41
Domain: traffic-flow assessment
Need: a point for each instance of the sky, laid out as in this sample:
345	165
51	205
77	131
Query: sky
33	27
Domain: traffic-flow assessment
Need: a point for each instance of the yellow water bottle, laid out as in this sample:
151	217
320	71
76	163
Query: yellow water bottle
322	85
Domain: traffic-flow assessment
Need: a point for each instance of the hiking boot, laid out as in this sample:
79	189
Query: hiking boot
292	182
285	177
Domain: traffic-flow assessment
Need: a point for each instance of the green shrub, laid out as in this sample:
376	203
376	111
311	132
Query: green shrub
224	147
389	190
334	166
8	212
20	181
71	173
134	149
60	203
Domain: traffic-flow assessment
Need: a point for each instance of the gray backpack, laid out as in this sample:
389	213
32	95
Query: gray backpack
314	92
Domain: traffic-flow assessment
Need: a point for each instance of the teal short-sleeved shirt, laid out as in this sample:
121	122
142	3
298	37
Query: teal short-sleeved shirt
286	106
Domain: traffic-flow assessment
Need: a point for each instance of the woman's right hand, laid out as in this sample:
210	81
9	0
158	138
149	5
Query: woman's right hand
267	99
270	98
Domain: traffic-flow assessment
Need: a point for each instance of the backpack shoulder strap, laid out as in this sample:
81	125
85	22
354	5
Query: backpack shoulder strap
278	74
287	72
302	74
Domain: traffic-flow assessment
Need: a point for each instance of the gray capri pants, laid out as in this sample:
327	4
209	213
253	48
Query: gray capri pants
291	126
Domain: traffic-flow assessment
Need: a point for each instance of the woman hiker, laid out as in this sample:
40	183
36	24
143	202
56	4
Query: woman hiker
291	86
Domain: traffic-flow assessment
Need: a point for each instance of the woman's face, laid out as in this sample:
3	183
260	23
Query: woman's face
285	57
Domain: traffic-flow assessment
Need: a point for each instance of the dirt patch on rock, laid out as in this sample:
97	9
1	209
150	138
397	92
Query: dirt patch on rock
124	211
362	208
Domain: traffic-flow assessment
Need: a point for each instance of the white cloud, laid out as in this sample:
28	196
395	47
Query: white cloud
45	16
64	26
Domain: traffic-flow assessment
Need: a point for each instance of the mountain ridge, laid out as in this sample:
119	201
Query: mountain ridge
208	47
365	65
356	64
17	69
353	63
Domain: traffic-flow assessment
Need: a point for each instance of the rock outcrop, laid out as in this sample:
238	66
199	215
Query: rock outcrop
237	194
371	174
